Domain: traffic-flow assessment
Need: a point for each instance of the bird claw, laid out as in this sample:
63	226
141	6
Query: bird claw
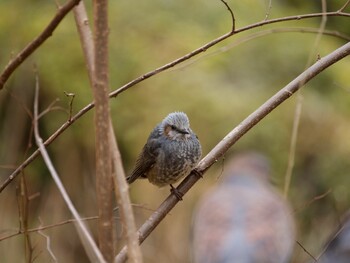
176	192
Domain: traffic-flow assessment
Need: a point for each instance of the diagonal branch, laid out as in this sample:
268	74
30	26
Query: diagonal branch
232	15
32	46
232	137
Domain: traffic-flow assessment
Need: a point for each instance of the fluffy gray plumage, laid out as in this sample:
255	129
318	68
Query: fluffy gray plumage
171	152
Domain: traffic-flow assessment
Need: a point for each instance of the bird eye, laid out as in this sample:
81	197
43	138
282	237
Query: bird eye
173	127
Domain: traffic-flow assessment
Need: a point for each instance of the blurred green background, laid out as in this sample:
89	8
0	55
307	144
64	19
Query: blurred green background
217	89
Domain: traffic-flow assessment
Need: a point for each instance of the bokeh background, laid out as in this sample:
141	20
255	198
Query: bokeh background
217	90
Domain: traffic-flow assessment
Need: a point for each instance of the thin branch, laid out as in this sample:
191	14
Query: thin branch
71	96
32	46
232	137
23	203
299	103
258	35
86	38
268	10
216	41
122	195
232	16
314	199
89	244
50	108
145	76
48	245
68	221
307	252
293	143
344	6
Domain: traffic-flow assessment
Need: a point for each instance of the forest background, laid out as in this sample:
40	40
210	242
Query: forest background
217	90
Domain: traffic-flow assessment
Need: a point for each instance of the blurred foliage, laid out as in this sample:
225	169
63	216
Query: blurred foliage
217	90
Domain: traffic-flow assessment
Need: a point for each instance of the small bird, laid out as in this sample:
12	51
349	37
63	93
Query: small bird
243	219
338	248
171	152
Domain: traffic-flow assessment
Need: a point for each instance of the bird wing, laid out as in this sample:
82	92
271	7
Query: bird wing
145	160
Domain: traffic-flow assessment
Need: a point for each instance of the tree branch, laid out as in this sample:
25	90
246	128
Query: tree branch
32	46
232	137
232	15
104	183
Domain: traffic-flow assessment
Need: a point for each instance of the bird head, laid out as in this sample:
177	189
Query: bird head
176	126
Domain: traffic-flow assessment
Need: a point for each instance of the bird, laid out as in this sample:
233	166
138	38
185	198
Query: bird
338	248
172	150
243	219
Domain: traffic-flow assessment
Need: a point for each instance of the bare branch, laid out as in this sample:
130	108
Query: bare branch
293	143
32	46
72	96
48	245
232	137
122	195
145	76
232	15
86	39
262	34
344	6
268	10
68	221
23	204
216	41
307	252
88	242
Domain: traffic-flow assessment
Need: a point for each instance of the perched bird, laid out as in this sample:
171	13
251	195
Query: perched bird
171	152
338	248
243	220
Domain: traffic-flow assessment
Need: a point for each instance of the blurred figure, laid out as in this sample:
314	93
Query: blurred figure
338	248
243	220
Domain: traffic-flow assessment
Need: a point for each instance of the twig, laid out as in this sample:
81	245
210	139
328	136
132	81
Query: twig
293	143
23	204
299	104
268	10
307	252
145	76
32	46
314	199
48	244
232	137
49	108
261	34
232	15
216	41
89	244
72	96
68	221
344	6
